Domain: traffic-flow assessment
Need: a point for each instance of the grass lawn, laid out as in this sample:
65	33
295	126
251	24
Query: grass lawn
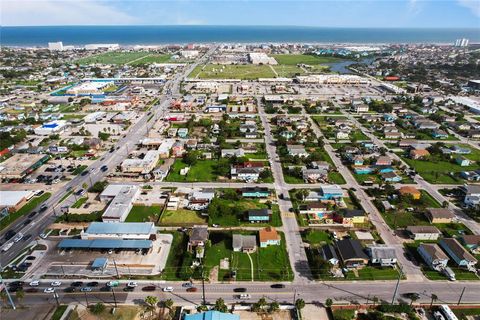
181	217
462	313
79	202
121	312
27	208
112	57
244	72
200	171
358	135
143	214
228	219
373	273
288	71
59	312
65	196
336	177
294	59
343	314
153	58
178	261
316	237
438	171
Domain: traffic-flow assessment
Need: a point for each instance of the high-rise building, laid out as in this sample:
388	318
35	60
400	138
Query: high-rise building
461	42
57	46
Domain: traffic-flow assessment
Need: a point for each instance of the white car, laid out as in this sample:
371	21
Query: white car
7	247
34	283
168	289
132	284
49	290
18	237
56	284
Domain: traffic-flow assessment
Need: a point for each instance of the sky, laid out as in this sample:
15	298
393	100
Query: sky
319	13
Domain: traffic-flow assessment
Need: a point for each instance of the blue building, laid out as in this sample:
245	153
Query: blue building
258	215
212	315
255	193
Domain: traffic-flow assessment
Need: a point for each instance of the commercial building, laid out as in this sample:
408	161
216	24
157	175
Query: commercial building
97	46
331	79
52	127
261	58
120	230
141	166
14	200
121	204
89	88
21	164
94	117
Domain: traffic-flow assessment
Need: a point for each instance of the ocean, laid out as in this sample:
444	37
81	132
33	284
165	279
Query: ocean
151	35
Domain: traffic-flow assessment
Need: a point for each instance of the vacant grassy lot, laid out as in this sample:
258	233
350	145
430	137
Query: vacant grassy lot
79	202
143	214
152	58
288	71
203	171
244	72
113	58
181	217
178	261
27	208
316	237
294	59
229	219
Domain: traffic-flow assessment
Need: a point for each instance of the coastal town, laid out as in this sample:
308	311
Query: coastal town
240	181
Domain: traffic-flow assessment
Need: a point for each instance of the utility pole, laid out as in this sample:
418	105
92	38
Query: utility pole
7	292
116	269
55	295
397	285
86	298
461	296
114	297
203	286
294	296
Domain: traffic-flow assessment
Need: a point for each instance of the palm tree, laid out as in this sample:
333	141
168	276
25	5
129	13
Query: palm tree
151	302
168	303
414	297
434	298
300	304
220	305
3	296
274	307
328	303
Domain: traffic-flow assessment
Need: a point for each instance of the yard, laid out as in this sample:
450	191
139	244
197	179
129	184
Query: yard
143	214
152	58
244	72
288	71
202	170
179	260
27	208
294	59
113	58
316	238
181	217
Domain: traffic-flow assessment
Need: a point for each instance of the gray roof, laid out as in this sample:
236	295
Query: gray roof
199	233
351	249
258	212
120	228
382	252
423	229
104	244
243	241
329	252
433	250
457	249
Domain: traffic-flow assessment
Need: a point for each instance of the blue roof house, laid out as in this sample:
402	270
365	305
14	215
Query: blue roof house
212	315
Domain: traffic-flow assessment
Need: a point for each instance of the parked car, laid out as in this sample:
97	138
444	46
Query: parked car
86	289
34	283
92	284
132	284
168	289
56	283
149	288
277	286
192	289
240	290
77	284
49	290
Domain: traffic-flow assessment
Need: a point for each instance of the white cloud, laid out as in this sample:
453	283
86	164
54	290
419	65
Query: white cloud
473	5
61	12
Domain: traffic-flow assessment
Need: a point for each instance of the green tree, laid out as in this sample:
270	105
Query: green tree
97	308
168	303
328	303
299	304
273	307
220	305
202	308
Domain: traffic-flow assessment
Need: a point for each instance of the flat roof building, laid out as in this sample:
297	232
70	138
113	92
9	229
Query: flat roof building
21	164
121	205
142	166
120	230
14	200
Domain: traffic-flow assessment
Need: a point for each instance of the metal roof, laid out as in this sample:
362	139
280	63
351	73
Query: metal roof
104	244
99	263
120	228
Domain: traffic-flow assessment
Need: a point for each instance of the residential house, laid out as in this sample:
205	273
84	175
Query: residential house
423	232
472	242
182	132
258	215
472	195
423	124
177	149
331	191
297	150
359	108
314	175
225	153
255	192
410	191
357	160
383	161
433	256
269	237
248	171
352	216
351	253
458	253
363	169
383	255
417	154
315	210
244	243
329	254
341	135
198	237
439	215
391	177
393	135
439	134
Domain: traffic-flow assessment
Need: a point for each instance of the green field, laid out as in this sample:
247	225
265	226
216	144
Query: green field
113	57
152	58
438	171
143	214
181	217
202	171
244	72
80	202
27	208
288	71
316	237
294	59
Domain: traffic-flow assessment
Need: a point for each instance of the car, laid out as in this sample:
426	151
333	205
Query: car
277	286
43	208
39	193
192	289
240	290
187	285
27	237
215	225
129	289
31	290
84	173
132	284
86	289
77	284
43	235
49	290
27	222
112	283
7	247
56	283
15	289
30	258
17	284
167	289
10	234
106	288
18	237
149	288
104	168
34	283
244	296
32	214
70	289
92	284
